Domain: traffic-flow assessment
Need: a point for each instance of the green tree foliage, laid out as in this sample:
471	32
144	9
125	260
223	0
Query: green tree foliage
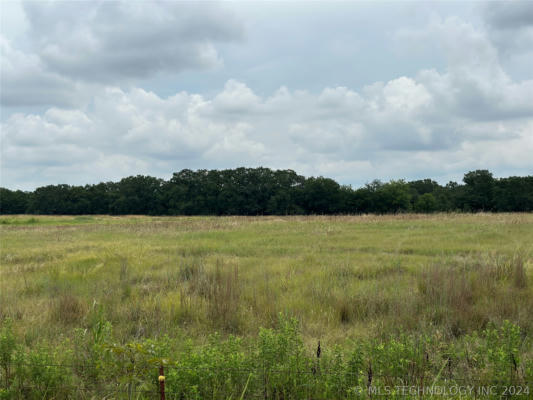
262	191
13	202
320	196
394	196
479	190
59	199
138	195
513	194
426	203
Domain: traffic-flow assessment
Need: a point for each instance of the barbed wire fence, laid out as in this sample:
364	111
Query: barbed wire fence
366	384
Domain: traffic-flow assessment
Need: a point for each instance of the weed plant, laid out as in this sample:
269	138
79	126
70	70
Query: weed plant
401	299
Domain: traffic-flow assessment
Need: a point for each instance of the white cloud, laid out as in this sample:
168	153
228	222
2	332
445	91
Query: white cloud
438	122
387	130
474	84
236	98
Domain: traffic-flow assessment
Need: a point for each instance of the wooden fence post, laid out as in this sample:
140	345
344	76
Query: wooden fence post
162	382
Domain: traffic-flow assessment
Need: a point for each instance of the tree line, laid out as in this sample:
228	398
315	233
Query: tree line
262	191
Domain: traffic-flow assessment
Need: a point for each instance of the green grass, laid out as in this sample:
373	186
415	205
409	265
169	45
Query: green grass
345	279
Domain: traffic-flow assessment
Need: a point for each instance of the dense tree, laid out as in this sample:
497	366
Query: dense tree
100	197
394	196
423	186
262	191
479	190
286	190
58	199
320	196
13	202
364	200
138	195
513	194
426	203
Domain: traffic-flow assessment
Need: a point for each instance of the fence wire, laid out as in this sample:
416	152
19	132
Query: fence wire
261	377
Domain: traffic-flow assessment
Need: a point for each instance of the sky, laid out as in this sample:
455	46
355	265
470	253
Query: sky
100	90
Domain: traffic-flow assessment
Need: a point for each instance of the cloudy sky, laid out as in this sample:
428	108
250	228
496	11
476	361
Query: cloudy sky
96	91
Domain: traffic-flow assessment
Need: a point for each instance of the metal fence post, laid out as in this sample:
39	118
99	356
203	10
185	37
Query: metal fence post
162	382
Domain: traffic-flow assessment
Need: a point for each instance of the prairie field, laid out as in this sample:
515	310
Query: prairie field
412	297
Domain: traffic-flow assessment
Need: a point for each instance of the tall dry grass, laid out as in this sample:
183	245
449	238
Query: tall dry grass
341	276
465	295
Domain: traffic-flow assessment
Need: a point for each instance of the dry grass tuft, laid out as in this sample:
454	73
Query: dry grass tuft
340	275
67	309
519	272
223	296
465	297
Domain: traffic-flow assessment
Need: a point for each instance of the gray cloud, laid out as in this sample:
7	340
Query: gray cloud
510	26
73	47
26	83
509	14
105	41
90	61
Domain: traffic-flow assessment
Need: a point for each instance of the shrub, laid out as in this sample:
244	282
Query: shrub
67	309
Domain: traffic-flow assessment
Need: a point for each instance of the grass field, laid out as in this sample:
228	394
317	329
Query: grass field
347	281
